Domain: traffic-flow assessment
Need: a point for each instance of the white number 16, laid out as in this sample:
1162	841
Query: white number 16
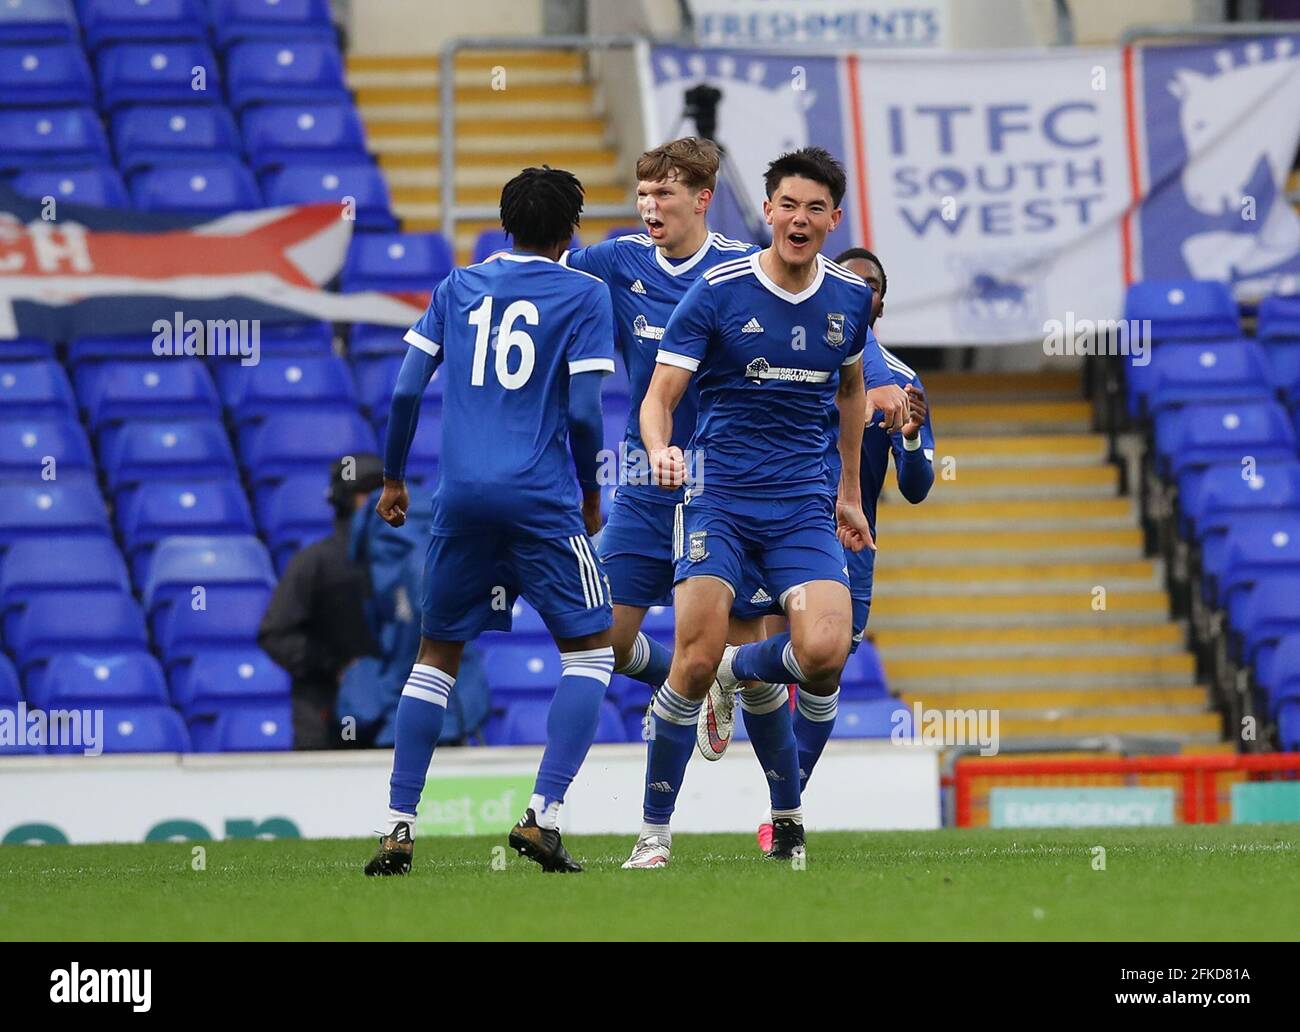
508	338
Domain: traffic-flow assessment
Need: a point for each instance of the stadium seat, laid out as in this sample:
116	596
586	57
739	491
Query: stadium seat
37	138
138	729
1268	615
297	338
156	389
250	727
426	446
29	347
1280	677
1278	318
95	187
368	340
294	72
1288	726
116	21
72	509
236	20
10	690
168	508
35	390
217	678
397	261
873	719
230	620
88	349
37	21
525	723
37	565
526	624
219	185
619	231
1217	372
864	675
157	73
521	670
307	382
1211	434
490	241
54	73
332	183
182	448
88	621
288	443
27	445
179	563
293	513
10	715
1252	556
1225	493
171	134
99	679
1184	309
281	134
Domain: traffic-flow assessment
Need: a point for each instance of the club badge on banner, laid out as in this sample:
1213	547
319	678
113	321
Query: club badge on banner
1008	190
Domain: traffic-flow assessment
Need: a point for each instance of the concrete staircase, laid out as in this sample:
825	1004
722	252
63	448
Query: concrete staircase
986	594
547	112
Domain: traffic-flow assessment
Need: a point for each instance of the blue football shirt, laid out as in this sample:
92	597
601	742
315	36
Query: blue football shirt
768	363
645	288
507	334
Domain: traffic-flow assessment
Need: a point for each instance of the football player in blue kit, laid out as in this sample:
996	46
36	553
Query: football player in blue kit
523	343
648	274
772	339
913	452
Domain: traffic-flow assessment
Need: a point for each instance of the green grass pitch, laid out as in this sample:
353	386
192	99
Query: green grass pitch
1183	883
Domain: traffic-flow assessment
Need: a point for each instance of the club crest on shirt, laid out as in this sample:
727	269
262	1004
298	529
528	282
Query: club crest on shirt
698	545
835	328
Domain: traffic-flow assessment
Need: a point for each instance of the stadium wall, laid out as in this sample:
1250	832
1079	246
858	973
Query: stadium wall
860	786
421	27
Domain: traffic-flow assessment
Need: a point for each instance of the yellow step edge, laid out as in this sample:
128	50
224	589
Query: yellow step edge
1080	603
465	59
1014	540
508	159
1021	444
965	384
418	96
1040	666
1095	573
957	637
936	509
1118	724
381	128
1017	412
1063	698
982	476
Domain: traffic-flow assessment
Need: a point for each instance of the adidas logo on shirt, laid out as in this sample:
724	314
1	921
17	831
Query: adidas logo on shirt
753	326
637	287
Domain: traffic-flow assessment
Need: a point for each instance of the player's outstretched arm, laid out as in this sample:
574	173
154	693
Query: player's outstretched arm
667	385
913	448
586	435
851	400
403	416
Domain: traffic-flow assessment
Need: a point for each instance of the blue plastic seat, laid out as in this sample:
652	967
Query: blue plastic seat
37	21
158	509
525	723
34	566
1213	372
876	718
68	508
864	675
1288	726
29	347
157	73
37	390
235	20
521	670
279	385
219	677
291	72
96	187
86	350
369	340
138	729
397	261
37	138
280	134
247	727
86	621
116	21
98	679
426	445
1184	309
296	442
10	688
297	338
1278	318
488	242
26	447
158	389
1252	556
1268	614
218	185
230	620
1279	675
183	448
181	562
170	134
376	379
1224	493
294	513
330	183
1217	434
53	73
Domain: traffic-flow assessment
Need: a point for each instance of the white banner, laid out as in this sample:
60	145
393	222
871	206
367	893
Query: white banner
842	24
858	786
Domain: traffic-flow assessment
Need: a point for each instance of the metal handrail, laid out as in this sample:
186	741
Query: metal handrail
447	130
1207	29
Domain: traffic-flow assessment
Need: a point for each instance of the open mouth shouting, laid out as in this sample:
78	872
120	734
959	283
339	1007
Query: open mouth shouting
655	227
799	242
